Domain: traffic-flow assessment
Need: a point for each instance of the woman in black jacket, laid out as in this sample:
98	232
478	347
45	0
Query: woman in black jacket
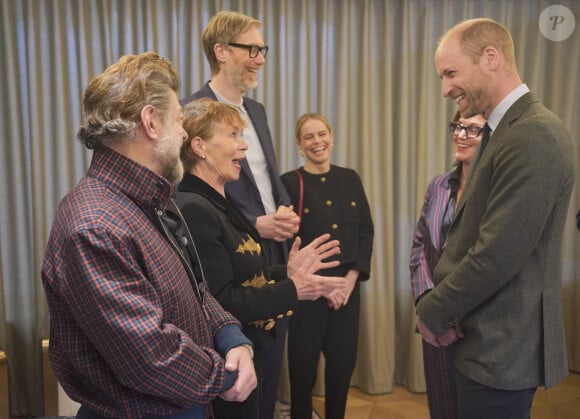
329	199
229	246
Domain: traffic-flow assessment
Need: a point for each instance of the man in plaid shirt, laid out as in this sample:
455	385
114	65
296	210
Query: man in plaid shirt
133	332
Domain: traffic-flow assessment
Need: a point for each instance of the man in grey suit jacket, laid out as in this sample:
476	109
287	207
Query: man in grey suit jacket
498	283
235	50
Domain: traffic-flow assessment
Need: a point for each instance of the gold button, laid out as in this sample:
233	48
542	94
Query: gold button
290	313
323	179
334	226
269	324
306	210
280	316
353	204
328	203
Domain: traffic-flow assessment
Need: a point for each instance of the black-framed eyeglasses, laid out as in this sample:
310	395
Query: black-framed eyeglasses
471	131
253	50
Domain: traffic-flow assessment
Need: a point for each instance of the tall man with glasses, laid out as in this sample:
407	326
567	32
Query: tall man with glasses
500	275
235	50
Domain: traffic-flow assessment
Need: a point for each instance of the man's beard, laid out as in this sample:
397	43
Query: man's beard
171	165
242	85
174	173
478	98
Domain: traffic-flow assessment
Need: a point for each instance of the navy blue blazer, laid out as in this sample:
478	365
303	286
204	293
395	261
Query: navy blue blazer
244	193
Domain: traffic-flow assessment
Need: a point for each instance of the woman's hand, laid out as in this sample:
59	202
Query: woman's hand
303	263
312	255
339	297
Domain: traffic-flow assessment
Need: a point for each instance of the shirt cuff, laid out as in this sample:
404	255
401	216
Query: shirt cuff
231	377
229	337
226	338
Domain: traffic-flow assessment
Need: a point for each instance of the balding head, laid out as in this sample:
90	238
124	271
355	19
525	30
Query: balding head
475	35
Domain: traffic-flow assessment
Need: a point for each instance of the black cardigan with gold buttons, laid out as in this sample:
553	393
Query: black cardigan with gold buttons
335	203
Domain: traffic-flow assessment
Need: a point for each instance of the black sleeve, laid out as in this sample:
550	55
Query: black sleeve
246	303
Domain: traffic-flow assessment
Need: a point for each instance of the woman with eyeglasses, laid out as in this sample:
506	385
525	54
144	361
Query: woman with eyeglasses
429	241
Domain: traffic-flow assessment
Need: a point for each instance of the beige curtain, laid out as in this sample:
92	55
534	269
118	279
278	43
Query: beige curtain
366	64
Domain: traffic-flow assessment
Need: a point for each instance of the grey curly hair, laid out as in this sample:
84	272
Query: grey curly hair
114	99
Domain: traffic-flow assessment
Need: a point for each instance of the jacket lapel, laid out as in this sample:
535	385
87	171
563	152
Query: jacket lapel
510	117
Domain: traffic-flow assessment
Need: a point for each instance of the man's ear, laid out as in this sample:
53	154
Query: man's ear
220	52
490	58
151	121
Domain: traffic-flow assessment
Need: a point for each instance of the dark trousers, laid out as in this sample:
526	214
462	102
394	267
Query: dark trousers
440	381
271	360
247	409
315	328
477	401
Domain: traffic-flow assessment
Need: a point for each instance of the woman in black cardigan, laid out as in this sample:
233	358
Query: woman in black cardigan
329	199
229	246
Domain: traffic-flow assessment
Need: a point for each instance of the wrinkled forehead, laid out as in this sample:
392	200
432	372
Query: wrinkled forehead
449	59
252	36
448	50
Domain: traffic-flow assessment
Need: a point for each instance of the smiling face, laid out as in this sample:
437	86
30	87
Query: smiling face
465	148
462	80
241	70
223	152
315	142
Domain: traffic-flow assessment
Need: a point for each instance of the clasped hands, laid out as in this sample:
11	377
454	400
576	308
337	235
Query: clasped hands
303	263
339	296
279	226
239	359
451	335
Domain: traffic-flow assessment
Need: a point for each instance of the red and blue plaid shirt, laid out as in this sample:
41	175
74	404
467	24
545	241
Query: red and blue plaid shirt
128	336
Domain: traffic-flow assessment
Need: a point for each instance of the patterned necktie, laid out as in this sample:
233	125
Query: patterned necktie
484	141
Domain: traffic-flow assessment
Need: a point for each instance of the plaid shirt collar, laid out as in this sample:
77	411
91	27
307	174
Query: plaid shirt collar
121	174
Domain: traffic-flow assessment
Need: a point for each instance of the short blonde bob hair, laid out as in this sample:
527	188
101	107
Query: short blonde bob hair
200	119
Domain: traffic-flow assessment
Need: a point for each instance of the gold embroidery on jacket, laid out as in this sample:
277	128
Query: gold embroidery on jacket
249	246
258	281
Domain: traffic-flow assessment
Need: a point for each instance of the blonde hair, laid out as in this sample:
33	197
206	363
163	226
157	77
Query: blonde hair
476	34
114	99
308	116
223	28
200	118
